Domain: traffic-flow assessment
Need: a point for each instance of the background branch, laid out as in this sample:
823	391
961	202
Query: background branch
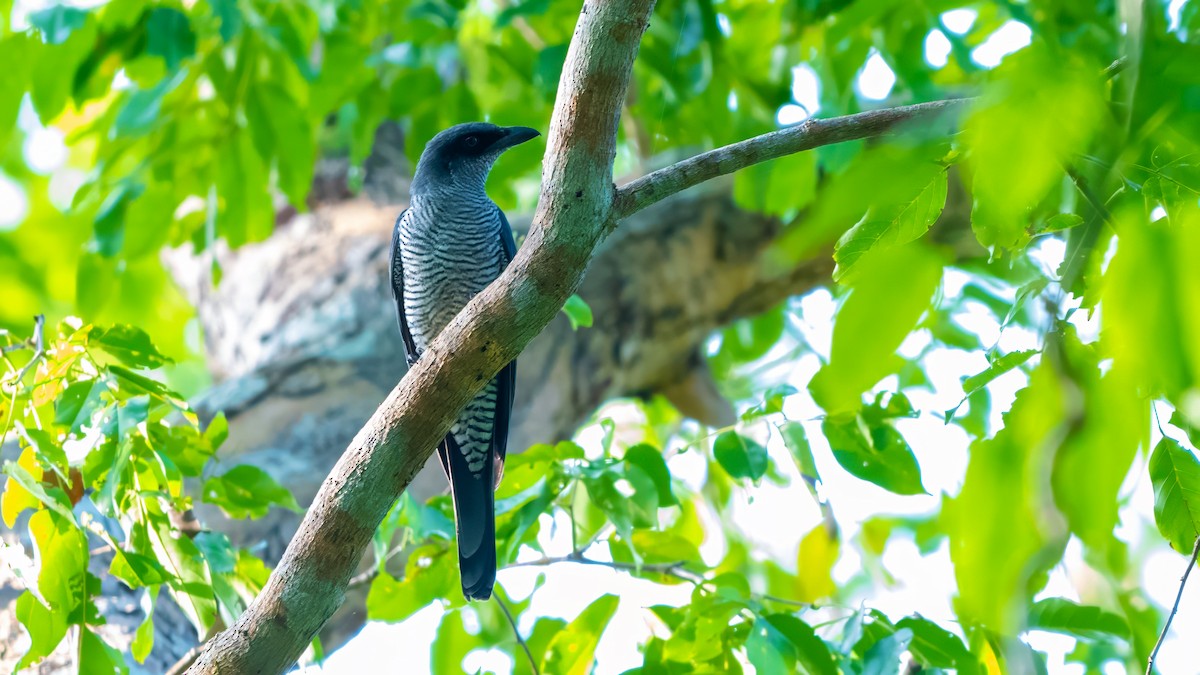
813	133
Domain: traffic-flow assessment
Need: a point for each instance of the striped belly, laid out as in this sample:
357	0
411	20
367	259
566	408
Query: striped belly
444	267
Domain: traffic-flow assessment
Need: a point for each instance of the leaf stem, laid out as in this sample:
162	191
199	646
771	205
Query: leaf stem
1178	597
517	634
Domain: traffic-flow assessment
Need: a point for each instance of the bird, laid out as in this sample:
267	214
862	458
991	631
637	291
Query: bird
447	246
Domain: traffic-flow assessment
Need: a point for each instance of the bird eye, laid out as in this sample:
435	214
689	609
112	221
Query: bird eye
472	141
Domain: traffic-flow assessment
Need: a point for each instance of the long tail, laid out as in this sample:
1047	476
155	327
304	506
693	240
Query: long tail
475	521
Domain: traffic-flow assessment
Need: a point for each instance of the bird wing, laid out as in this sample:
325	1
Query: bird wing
506	379
396	264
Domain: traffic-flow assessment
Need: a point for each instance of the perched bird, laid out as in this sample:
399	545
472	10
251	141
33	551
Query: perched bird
449	244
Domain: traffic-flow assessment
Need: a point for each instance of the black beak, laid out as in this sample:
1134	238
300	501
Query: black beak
515	136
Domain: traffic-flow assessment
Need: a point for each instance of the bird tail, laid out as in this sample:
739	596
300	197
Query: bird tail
475	521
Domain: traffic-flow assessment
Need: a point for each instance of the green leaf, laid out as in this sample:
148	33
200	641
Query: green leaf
143	638
891	225
132	346
52	498
782	643
96	280
750	339
1059	222
78	403
523	8
548	68
572	650
664	547
1059	615
1006	184
650	460
578	312
1101	445
282	132
935	647
227	12
430	574
996	537
58	22
999	367
777	187
109	227
141	110
883	457
887	299
1175	473
796	440
169	35
96	657
818	553
247	491
46	628
741	457
217	431
137	570
883	658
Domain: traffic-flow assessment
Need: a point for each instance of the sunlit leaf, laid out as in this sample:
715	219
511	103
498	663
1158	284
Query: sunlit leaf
936	647
878	454
891	225
886	301
996	536
578	312
818	552
740	456
1175	473
572	650
170	36
247	491
1060	615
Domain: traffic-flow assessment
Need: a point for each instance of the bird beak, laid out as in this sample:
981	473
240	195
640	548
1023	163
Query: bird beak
515	136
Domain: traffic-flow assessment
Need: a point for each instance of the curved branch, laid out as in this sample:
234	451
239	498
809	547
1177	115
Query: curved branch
310	582
813	133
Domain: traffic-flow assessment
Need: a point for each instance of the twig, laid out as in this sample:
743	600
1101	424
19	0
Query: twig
185	661
39	344
671	569
1178	596
517	634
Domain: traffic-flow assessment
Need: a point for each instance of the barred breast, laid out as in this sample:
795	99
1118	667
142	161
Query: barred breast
451	252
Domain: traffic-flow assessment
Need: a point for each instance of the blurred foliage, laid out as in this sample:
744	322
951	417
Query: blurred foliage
105	450
187	123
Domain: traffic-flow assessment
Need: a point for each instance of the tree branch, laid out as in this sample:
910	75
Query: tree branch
813	133
576	205
1178	597
517	634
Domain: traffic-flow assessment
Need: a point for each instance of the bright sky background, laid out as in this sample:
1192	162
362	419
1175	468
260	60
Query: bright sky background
774	517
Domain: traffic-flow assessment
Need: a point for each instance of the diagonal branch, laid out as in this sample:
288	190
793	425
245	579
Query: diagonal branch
309	583
813	133
578	207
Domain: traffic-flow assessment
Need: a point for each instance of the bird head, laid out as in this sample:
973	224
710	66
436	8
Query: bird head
461	157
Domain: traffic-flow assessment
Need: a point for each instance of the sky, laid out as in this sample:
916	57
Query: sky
925	582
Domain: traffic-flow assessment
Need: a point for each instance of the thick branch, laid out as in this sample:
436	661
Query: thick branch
311	579
813	133
577	208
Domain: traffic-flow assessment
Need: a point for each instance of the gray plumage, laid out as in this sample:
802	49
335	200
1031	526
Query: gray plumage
448	246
